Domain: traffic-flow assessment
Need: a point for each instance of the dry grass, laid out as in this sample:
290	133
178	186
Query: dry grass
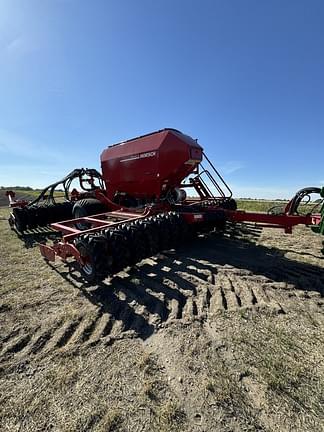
284	360
153	353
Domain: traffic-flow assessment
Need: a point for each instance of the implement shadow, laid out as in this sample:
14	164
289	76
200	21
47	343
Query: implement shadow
209	252
150	288
31	238
105	296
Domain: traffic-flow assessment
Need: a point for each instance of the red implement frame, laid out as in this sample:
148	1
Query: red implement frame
66	248
13	202
284	221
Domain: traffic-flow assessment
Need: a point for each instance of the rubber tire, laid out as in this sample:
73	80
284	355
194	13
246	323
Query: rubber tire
87	207
230	204
96	269
19	219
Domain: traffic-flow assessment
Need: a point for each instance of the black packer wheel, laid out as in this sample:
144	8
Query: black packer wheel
93	251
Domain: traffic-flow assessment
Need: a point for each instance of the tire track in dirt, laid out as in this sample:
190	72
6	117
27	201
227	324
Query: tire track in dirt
154	294
16	344
224	290
126	314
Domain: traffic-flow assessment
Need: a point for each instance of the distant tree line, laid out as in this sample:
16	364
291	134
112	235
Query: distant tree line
25	188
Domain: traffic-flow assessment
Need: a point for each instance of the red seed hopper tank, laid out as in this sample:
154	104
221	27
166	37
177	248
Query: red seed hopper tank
149	166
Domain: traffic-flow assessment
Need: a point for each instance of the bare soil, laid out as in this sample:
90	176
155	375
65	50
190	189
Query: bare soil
224	334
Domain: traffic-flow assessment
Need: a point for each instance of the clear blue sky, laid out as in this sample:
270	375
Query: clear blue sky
245	77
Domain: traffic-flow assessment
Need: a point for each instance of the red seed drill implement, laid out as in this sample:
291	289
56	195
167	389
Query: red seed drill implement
140	205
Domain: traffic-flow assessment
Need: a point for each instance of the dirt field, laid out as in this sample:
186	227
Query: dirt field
225	334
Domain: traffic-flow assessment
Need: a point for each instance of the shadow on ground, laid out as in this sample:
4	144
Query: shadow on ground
32	238
117	295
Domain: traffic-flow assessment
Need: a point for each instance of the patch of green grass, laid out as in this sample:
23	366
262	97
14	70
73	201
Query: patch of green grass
277	206
259	205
